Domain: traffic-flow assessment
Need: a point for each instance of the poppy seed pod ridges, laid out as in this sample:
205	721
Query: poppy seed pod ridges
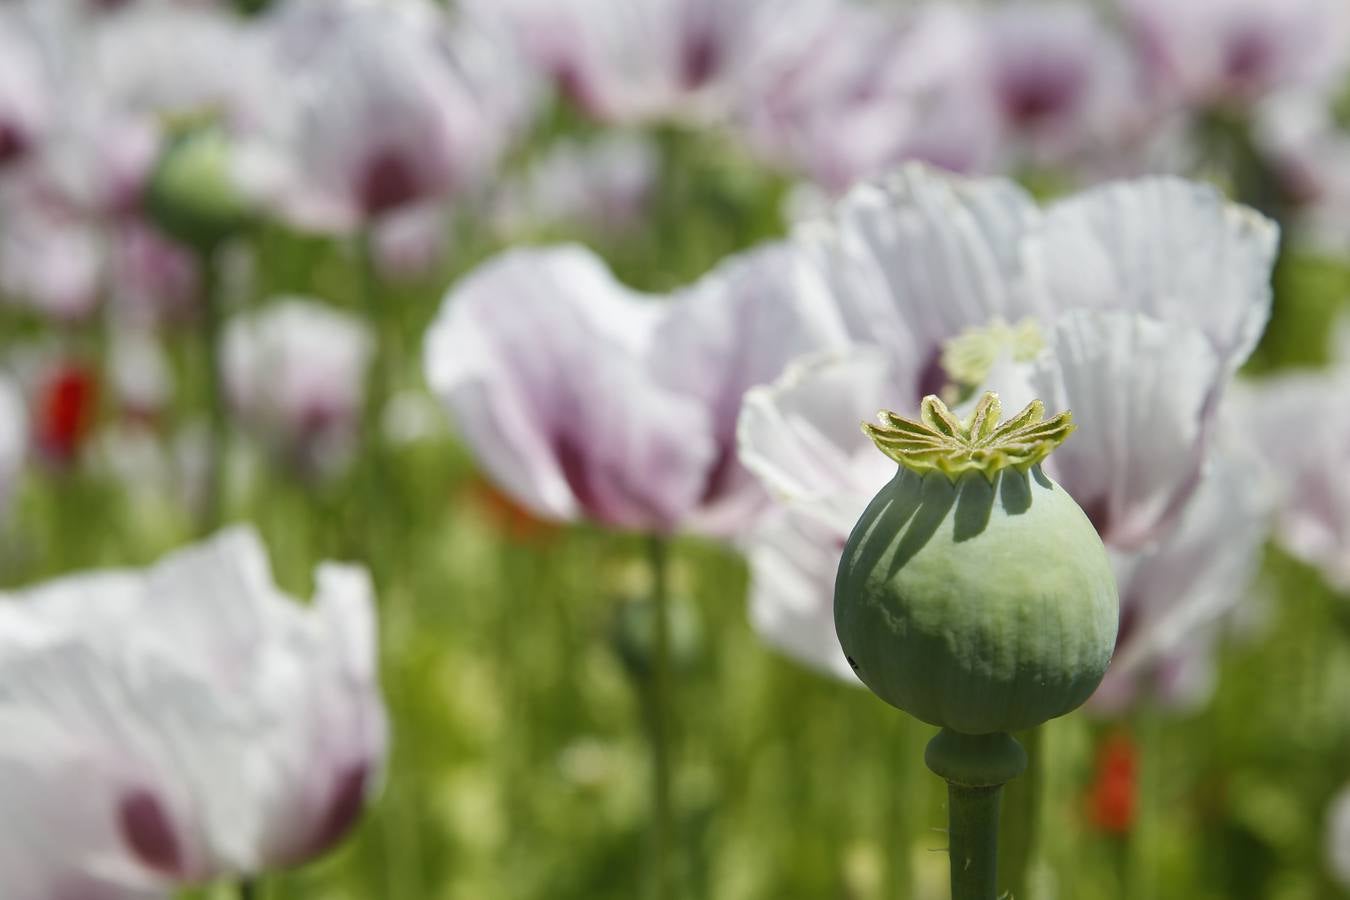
974	593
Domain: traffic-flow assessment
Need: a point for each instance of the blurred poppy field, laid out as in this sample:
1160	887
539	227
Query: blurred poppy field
429	433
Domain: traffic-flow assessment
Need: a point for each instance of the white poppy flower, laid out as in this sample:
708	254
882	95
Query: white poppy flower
295	374
184	722
1131	305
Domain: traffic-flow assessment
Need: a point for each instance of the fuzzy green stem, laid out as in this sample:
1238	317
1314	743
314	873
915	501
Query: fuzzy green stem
210	514
250	889
973	833
975	767
658	715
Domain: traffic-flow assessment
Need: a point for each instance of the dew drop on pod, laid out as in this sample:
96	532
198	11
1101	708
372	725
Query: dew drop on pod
975	595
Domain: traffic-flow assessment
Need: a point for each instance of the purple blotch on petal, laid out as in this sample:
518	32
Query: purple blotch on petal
345	803
387	183
149	833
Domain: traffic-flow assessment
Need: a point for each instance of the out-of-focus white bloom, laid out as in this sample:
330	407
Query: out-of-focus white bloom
138	371
601	185
1131	304
863	88
1238	51
1306	439
100	157
151	278
295	374
25	92
178	61
411	242
184	722
380	107
585	399
1061	80
1310	155
634	61
51	256
121	78
13	438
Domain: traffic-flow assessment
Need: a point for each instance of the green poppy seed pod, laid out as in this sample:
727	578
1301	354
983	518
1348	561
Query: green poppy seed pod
974	593
193	194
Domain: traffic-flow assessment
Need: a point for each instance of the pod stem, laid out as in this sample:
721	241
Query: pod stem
975	767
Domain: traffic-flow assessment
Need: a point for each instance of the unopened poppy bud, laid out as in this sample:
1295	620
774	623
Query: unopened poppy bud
194	195
634	635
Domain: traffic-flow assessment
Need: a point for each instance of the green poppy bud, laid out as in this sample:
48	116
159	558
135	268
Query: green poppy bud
193	195
974	593
634	635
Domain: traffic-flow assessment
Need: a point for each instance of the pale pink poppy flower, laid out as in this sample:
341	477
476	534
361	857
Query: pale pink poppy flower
52	258
184	723
601	186
25	91
863	88
379	108
585	399
1309	154
100	158
948	285
1060	77
218	63
946	272
1306	438
295	374
638	61
118	78
1234	52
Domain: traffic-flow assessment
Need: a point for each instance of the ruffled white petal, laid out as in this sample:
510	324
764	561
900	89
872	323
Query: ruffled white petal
793	561
919	257
1171	249
802	435
738	327
1143	394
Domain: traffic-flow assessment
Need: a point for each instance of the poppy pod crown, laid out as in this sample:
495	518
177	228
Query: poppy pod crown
941	442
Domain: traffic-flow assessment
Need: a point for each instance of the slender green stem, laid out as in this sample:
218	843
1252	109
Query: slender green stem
975	767
378	377
250	889
658	717
210	514
375	537
1021	818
